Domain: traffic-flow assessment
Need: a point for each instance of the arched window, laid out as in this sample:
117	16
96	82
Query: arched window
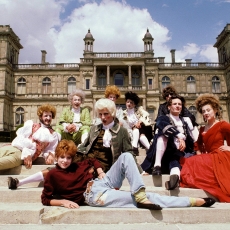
119	79
216	85
102	79
165	82
192	110
136	79
191	84
46	85
71	84
21	86
19	116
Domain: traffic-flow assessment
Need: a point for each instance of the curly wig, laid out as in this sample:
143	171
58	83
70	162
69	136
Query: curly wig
133	97
46	108
168	90
209	99
78	92
66	147
105	103
112	89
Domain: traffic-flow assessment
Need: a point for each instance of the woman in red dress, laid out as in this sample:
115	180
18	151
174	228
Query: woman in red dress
210	168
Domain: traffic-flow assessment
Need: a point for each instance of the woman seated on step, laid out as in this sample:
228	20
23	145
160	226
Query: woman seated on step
70	184
210	168
137	122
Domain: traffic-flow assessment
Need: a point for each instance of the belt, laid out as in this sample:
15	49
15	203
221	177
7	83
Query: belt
89	186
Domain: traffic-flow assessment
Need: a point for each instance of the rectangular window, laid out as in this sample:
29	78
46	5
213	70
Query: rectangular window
87	83
150	83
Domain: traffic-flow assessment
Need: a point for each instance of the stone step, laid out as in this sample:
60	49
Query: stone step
33	194
36	213
157	181
39	165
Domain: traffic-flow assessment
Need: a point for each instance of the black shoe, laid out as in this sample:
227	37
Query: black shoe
136	151
156	171
173	182
149	206
12	183
208	202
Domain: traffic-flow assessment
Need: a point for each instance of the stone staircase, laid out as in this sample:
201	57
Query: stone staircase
23	206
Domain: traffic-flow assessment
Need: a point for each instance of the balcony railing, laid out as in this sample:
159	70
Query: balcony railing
119	55
46	66
192	65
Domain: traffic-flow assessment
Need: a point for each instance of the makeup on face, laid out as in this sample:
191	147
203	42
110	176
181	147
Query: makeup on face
105	116
76	102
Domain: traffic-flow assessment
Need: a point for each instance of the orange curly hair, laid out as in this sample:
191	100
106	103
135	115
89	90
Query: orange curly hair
112	89
66	147
46	108
209	99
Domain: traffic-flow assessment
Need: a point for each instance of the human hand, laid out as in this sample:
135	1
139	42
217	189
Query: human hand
71	128
28	161
69	204
224	148
50	159
101	175
182	145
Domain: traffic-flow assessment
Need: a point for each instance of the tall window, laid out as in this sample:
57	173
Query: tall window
192	110
150	83
165	82
87	83
102	79
151	114
19	116
216	85
119	79
135	79
71	84
21	86
46	85
191	84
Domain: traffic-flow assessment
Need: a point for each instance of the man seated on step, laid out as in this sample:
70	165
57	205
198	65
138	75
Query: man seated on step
173	139
32	139
106	142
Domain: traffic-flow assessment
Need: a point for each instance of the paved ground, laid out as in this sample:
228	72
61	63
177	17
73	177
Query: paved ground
119	227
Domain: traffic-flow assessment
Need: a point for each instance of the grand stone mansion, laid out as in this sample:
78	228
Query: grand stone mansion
24	87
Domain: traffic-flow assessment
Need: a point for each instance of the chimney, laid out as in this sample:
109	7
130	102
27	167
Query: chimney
188	62
173	55
43	56
161	59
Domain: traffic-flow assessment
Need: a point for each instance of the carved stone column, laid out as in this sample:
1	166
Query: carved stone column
144	103
108	75
94	75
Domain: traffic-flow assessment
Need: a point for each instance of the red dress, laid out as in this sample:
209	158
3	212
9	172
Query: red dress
211	171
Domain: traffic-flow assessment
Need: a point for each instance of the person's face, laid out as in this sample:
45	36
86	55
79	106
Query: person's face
64	161
112	97
208	113
176	107
76	102
130	104
105	116
168	97
46	118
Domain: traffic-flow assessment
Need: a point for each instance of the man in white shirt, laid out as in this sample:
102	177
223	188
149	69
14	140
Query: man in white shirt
32	140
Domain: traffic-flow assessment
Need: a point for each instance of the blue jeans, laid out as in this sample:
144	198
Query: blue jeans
104	194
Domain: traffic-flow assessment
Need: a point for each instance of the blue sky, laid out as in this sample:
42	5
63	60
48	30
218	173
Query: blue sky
59	26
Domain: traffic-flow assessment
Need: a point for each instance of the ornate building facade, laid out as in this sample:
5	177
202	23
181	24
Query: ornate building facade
24	87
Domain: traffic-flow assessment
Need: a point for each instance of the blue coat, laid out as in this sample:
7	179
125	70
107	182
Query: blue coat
166	127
